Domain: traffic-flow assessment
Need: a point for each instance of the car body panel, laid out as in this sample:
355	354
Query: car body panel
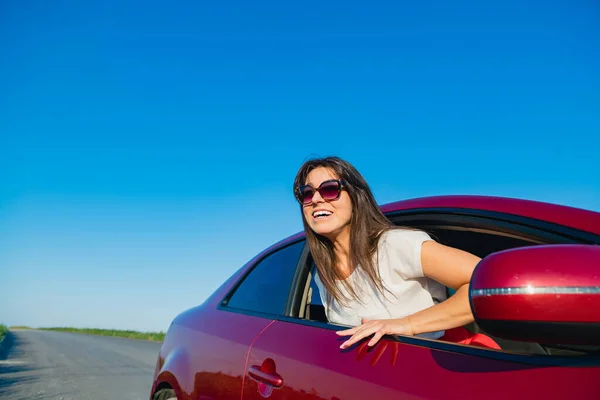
571	217
205	345
208	349
312	366
204	353
576	218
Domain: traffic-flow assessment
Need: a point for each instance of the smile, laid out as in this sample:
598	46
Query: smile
320	214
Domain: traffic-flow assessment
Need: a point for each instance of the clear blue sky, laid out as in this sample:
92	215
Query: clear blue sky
147	150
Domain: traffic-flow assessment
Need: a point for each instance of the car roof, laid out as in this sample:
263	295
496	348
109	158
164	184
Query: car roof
576	218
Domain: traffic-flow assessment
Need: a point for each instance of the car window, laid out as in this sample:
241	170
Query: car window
480	236
315	294
267	286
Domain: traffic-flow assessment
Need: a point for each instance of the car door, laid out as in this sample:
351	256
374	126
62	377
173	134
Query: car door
297	357
299	361
222	341
205	351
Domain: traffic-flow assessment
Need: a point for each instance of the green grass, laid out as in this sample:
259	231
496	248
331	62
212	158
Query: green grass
3	331
155	336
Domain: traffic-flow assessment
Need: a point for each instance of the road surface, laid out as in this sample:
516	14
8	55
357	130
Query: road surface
68	366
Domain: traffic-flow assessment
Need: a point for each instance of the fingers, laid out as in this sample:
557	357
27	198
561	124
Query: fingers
355	338
350	331
363	332
378	335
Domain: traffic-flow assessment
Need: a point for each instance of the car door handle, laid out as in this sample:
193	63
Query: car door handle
271	379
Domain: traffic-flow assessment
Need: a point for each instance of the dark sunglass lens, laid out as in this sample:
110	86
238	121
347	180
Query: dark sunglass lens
330	190
306	194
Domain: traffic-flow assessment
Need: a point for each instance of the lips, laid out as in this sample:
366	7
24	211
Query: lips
321	214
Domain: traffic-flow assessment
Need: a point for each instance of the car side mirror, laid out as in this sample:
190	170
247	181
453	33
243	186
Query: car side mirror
547	294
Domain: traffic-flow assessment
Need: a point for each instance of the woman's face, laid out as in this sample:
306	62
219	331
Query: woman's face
327	218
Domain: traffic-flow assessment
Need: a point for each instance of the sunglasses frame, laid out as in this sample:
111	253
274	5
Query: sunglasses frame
298	191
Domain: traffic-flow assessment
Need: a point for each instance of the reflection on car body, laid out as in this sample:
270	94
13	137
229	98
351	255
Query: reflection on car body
263	333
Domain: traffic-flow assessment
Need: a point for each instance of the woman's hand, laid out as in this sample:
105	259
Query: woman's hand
449	266
378	328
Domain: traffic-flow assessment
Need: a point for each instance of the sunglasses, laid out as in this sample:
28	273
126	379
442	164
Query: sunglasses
329	190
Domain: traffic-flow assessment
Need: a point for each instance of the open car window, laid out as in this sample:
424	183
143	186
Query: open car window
478	235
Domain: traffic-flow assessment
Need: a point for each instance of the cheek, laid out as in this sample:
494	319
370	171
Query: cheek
347	214
347	209
306	214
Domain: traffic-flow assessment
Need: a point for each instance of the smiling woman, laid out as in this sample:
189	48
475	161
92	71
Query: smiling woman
372	276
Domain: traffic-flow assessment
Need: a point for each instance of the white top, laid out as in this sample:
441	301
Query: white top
400	269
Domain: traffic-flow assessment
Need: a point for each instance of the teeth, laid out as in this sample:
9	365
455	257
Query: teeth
318	214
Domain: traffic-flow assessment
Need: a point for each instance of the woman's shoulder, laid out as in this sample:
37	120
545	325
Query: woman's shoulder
403	236
400	249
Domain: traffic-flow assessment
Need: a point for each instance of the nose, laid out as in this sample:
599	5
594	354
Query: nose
317	197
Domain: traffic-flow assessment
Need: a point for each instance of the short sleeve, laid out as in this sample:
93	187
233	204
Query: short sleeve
322	293
401	250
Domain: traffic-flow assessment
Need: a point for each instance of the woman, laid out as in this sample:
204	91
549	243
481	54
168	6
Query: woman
373	276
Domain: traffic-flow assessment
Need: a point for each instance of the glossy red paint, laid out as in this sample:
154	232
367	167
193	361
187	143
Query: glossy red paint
540	266
553	267
212	353
554	286
576	218
205	349
312	366
204	353
584	308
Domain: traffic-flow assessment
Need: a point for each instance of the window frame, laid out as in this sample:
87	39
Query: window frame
224	303
495	222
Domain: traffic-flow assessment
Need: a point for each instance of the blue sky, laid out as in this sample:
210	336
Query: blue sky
147	150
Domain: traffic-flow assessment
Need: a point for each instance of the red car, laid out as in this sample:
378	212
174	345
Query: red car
535	297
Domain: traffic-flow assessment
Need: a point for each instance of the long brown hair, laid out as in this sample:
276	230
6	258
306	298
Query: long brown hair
367	224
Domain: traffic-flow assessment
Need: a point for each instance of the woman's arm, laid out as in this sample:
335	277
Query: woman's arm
447	265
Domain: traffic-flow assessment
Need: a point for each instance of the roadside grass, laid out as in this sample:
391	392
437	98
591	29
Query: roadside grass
20	327
153	336
3	331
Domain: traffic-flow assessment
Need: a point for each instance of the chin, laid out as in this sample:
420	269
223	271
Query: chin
328	232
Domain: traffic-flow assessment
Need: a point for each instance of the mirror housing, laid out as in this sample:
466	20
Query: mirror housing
547	294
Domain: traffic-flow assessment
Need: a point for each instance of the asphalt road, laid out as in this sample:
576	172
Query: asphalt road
67	366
